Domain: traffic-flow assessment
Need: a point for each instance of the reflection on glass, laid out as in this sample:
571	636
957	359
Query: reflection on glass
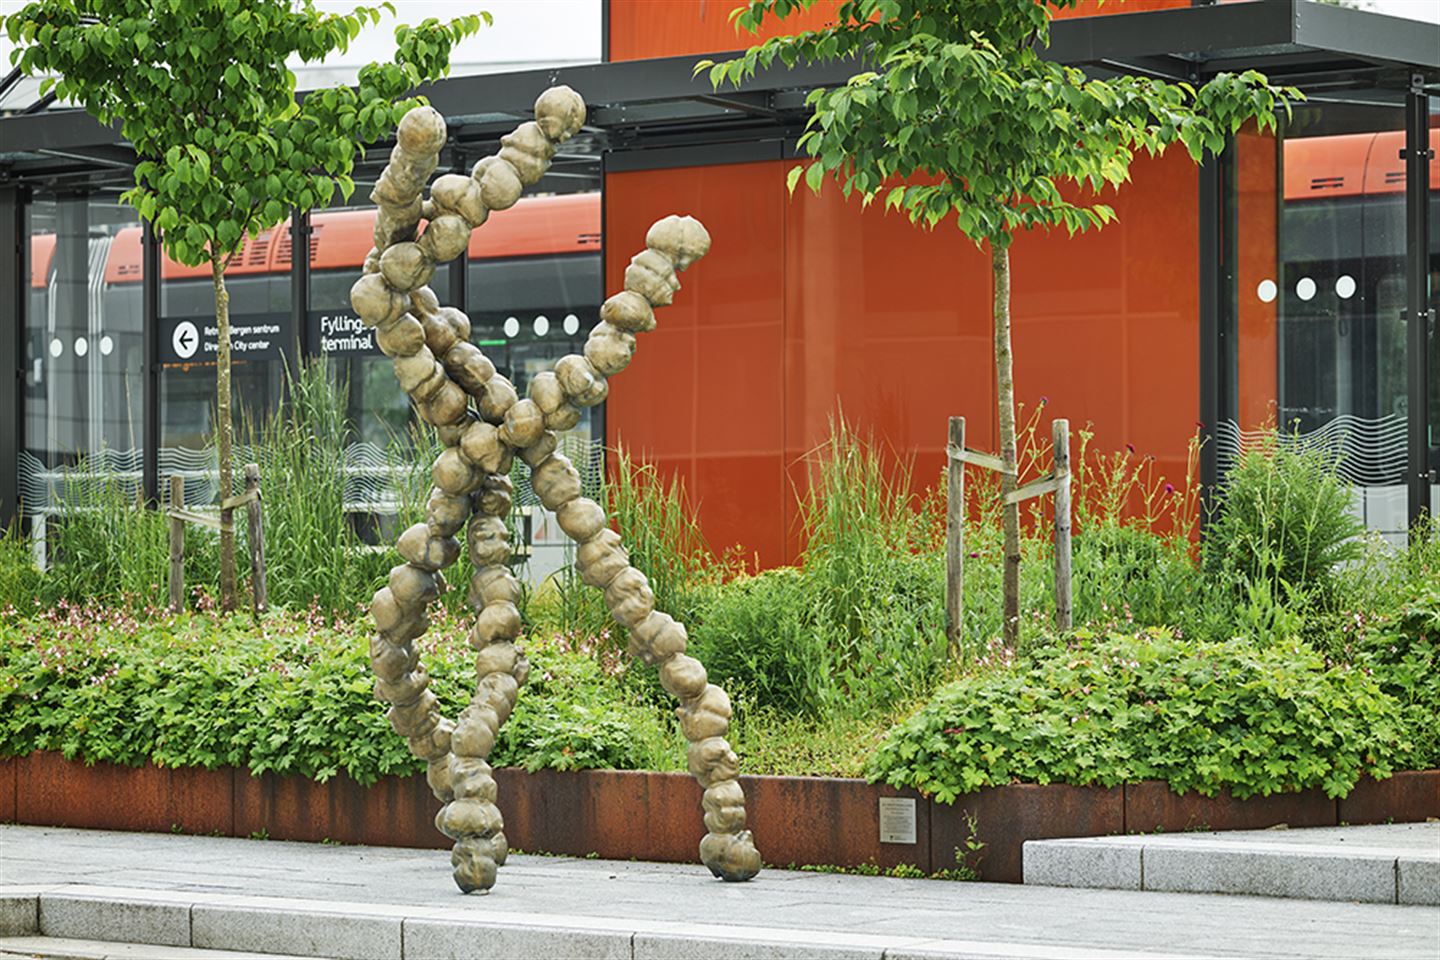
1342	242
262	339
84	351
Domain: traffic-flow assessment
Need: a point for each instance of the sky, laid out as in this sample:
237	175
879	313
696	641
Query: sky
1412	9
525	33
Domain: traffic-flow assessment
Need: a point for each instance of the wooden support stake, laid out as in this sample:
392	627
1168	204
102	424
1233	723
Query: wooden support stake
257	537
1034	488
1063	611
955	536
177	544
987	460
203	519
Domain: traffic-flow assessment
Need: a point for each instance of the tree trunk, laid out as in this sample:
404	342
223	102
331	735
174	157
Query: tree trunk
222	406
1005	400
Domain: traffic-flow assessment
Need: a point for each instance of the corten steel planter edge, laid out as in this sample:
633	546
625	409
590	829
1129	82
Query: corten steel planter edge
53	791
8	788
789	831
1152	807
1408	796
1000	819
392	812
651	815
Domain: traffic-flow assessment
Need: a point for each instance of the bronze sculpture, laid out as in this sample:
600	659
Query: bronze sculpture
443	372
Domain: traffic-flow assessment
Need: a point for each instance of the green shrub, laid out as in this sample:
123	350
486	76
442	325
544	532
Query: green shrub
19	577
1125	575
1282	518
1401	653
107	545
292	695
573	715
1121	708
312	552
860	624
761	635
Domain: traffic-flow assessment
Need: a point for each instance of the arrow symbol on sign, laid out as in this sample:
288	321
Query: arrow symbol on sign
185	339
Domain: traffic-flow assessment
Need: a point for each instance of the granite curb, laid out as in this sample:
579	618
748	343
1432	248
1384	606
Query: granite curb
302	928
1254	864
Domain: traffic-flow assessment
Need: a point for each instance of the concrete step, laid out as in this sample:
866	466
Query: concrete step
1382	863
65	948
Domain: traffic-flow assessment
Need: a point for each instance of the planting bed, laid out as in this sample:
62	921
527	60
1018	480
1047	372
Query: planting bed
652	816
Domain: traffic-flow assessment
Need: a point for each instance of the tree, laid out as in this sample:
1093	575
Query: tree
954	110
201	89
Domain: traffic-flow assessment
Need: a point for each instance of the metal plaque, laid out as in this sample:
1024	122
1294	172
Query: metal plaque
897	820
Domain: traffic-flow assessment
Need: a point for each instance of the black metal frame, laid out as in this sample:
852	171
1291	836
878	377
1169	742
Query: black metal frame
14	290
459	270
1213	372
1419	318
300	279
150	322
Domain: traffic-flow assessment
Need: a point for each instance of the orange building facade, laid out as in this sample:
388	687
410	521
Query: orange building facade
809	307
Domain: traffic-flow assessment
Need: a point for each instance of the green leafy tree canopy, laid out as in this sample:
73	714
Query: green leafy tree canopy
955	98
202	91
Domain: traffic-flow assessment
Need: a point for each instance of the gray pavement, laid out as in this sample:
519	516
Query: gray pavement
1381	863
274	897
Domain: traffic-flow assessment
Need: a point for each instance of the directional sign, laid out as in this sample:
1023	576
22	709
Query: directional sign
337	333
196	340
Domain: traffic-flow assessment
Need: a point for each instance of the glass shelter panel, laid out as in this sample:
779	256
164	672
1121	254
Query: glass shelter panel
1320	308
83	354
262	339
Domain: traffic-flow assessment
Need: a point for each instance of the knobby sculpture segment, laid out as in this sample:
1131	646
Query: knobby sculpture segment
443	372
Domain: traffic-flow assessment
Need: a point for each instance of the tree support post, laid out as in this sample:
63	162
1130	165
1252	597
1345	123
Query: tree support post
256	537
955	534
1063	613
177	543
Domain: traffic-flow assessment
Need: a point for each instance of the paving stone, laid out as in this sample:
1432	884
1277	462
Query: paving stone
769	945
1418	880
439	939
132	920
348	935
1066	863
1296	874
19	914
982	950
